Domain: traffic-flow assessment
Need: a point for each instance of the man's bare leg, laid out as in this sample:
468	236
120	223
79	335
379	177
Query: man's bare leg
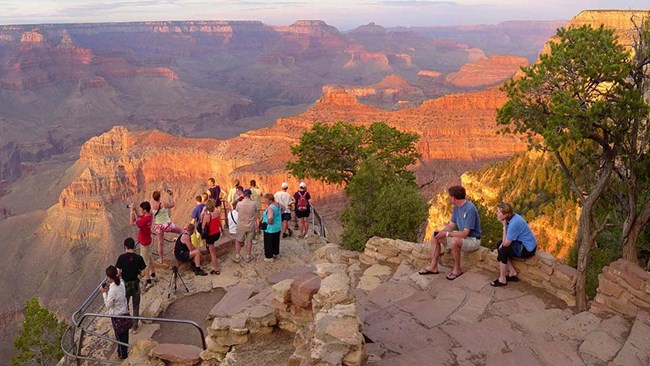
511	271
249	247
455	252
435	254
503	268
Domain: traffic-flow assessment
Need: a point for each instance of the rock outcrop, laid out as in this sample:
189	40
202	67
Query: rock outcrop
487	72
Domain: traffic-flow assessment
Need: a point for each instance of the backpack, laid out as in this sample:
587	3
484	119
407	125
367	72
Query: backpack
302	201
215	193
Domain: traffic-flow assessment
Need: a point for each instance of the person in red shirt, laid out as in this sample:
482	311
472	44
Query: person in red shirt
144	223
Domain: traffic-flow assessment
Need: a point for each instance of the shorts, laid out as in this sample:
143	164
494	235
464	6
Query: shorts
211	239
470	244
243	235
302	214
183	256
145	252
164	228
286	216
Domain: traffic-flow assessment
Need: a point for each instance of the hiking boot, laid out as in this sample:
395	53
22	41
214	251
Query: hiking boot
237	258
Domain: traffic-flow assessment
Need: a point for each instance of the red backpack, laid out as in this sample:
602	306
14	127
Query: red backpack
302	201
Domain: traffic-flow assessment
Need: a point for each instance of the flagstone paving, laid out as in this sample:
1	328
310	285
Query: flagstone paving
411	319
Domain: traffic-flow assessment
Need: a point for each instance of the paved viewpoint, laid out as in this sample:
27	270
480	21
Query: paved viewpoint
428	320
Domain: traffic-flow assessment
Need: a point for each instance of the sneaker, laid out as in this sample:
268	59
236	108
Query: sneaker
268	259
237	258
276	256
153	277
248	258
148	284
200	272
285	235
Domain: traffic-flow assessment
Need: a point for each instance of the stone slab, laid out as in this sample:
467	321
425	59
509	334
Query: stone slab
388	293
294	272
636	350
368	283
399	332
578	326
557	353
430	356
475	281
303	289
493	335
472	309
234	297
518	357
433	312
182	354
541	321
523	304
598	347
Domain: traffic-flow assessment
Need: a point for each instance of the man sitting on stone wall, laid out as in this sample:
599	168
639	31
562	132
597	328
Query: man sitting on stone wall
463	232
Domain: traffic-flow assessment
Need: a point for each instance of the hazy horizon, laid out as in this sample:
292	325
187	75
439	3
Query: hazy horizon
342	14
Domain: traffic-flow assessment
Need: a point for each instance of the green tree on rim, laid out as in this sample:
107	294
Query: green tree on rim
39	342
577	94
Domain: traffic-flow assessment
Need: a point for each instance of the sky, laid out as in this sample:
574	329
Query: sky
343	14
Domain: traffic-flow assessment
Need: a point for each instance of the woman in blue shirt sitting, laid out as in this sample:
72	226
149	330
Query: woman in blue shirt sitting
518	241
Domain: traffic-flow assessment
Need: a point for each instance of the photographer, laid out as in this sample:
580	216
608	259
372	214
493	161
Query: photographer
184	251
114	295
144	223
162	220
129	265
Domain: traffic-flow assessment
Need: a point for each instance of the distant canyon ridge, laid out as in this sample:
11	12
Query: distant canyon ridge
96	115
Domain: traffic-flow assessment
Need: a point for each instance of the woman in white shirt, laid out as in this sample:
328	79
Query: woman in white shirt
114	294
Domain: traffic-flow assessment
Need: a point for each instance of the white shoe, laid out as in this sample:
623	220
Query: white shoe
268	259
237	258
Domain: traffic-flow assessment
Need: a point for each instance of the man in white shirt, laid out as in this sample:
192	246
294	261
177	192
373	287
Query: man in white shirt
285	200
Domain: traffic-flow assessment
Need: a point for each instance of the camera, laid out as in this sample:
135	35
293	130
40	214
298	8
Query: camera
104	285
129	206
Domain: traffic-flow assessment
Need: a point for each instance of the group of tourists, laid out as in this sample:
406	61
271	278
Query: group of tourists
463	234
245	212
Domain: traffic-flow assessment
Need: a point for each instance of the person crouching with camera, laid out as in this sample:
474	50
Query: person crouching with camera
184	251
114	294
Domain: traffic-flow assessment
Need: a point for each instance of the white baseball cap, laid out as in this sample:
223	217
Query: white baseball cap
285	185
302	185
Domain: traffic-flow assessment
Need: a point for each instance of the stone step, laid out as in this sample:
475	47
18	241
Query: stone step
178	354
230	301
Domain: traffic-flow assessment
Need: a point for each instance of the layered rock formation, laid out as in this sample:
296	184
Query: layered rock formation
486	72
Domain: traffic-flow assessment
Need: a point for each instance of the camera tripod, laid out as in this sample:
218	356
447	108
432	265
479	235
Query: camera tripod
172	281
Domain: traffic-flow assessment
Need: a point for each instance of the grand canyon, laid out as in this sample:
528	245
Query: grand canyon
95	116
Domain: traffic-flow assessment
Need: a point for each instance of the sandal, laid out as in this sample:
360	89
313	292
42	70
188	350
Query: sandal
497	283
452	276
215	272
426	271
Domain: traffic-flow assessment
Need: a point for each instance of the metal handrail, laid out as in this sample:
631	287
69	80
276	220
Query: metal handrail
321	223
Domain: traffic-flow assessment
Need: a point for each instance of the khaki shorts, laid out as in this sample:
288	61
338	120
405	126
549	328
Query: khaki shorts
145	252
244	235
470	244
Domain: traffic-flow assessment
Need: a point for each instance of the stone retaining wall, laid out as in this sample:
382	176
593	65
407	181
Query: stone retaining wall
542	270
335	336
623	288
